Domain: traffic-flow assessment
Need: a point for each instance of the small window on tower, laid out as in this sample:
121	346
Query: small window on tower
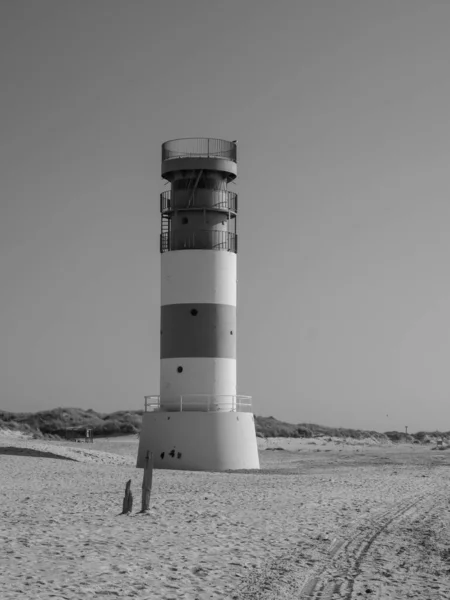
184	220
194	312
180	369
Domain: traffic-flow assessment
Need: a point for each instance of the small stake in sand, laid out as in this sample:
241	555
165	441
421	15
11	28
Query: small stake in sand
128	500
147	482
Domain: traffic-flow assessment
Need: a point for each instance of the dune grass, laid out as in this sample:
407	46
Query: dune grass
57	422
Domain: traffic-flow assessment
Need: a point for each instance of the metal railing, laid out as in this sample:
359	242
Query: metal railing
198	240
221	200
199	403
199	148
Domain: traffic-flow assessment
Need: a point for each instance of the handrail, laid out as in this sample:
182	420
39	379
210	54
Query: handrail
227	201
199	402
208	239
199	148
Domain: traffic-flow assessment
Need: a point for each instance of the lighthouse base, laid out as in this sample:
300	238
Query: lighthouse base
199	441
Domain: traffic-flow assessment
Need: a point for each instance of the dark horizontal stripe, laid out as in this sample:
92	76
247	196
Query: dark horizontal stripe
209	333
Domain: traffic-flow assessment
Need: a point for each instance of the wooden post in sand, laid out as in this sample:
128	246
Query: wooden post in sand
147	482
128	499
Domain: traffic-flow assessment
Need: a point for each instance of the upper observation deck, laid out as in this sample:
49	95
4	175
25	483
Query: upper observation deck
196	154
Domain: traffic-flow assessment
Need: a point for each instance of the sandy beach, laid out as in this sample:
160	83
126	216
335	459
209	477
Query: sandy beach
322	519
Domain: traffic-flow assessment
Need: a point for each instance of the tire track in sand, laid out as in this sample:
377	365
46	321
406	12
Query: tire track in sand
336	575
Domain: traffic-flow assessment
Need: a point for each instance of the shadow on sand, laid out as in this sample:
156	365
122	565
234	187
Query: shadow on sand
14	451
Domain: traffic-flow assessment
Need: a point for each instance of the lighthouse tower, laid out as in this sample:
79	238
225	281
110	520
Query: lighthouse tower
198	422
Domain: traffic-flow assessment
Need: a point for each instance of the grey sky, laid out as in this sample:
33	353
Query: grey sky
341	109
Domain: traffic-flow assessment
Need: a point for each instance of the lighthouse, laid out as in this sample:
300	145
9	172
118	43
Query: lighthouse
198	421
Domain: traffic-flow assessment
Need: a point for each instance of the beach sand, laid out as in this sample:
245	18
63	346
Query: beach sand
322	519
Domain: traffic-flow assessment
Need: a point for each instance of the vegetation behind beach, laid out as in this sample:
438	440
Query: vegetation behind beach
68	422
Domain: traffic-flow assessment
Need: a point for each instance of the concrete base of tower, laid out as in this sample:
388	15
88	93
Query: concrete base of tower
199	441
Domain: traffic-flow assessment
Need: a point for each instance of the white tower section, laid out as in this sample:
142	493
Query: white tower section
198	422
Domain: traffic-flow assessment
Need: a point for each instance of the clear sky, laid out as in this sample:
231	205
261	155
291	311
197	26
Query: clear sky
341	111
